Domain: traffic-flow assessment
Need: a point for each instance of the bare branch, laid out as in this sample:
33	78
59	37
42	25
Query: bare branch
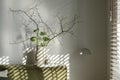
26	15
46	25
31	8
52	34
20	41
34	23
60	23
62	30
32	13
73	24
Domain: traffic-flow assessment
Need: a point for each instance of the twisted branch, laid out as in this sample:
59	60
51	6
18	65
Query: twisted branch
54	35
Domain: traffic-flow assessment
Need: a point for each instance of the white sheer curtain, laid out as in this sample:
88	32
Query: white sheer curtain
115	41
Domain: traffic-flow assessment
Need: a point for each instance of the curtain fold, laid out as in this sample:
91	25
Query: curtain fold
115	41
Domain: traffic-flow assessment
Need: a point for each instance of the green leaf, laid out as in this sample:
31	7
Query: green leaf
36	30
33	39
46	38
42	33
42	44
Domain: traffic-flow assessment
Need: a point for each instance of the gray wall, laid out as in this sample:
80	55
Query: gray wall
90	33
94	37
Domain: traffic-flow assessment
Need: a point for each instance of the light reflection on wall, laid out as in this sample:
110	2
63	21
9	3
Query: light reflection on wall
55	60
46	60
4	60
24	59
17	72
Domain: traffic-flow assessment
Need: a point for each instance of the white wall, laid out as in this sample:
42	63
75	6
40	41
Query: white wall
90	33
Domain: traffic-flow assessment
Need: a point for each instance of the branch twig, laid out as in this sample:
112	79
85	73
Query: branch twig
61	25
54	35
26	15
20	41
